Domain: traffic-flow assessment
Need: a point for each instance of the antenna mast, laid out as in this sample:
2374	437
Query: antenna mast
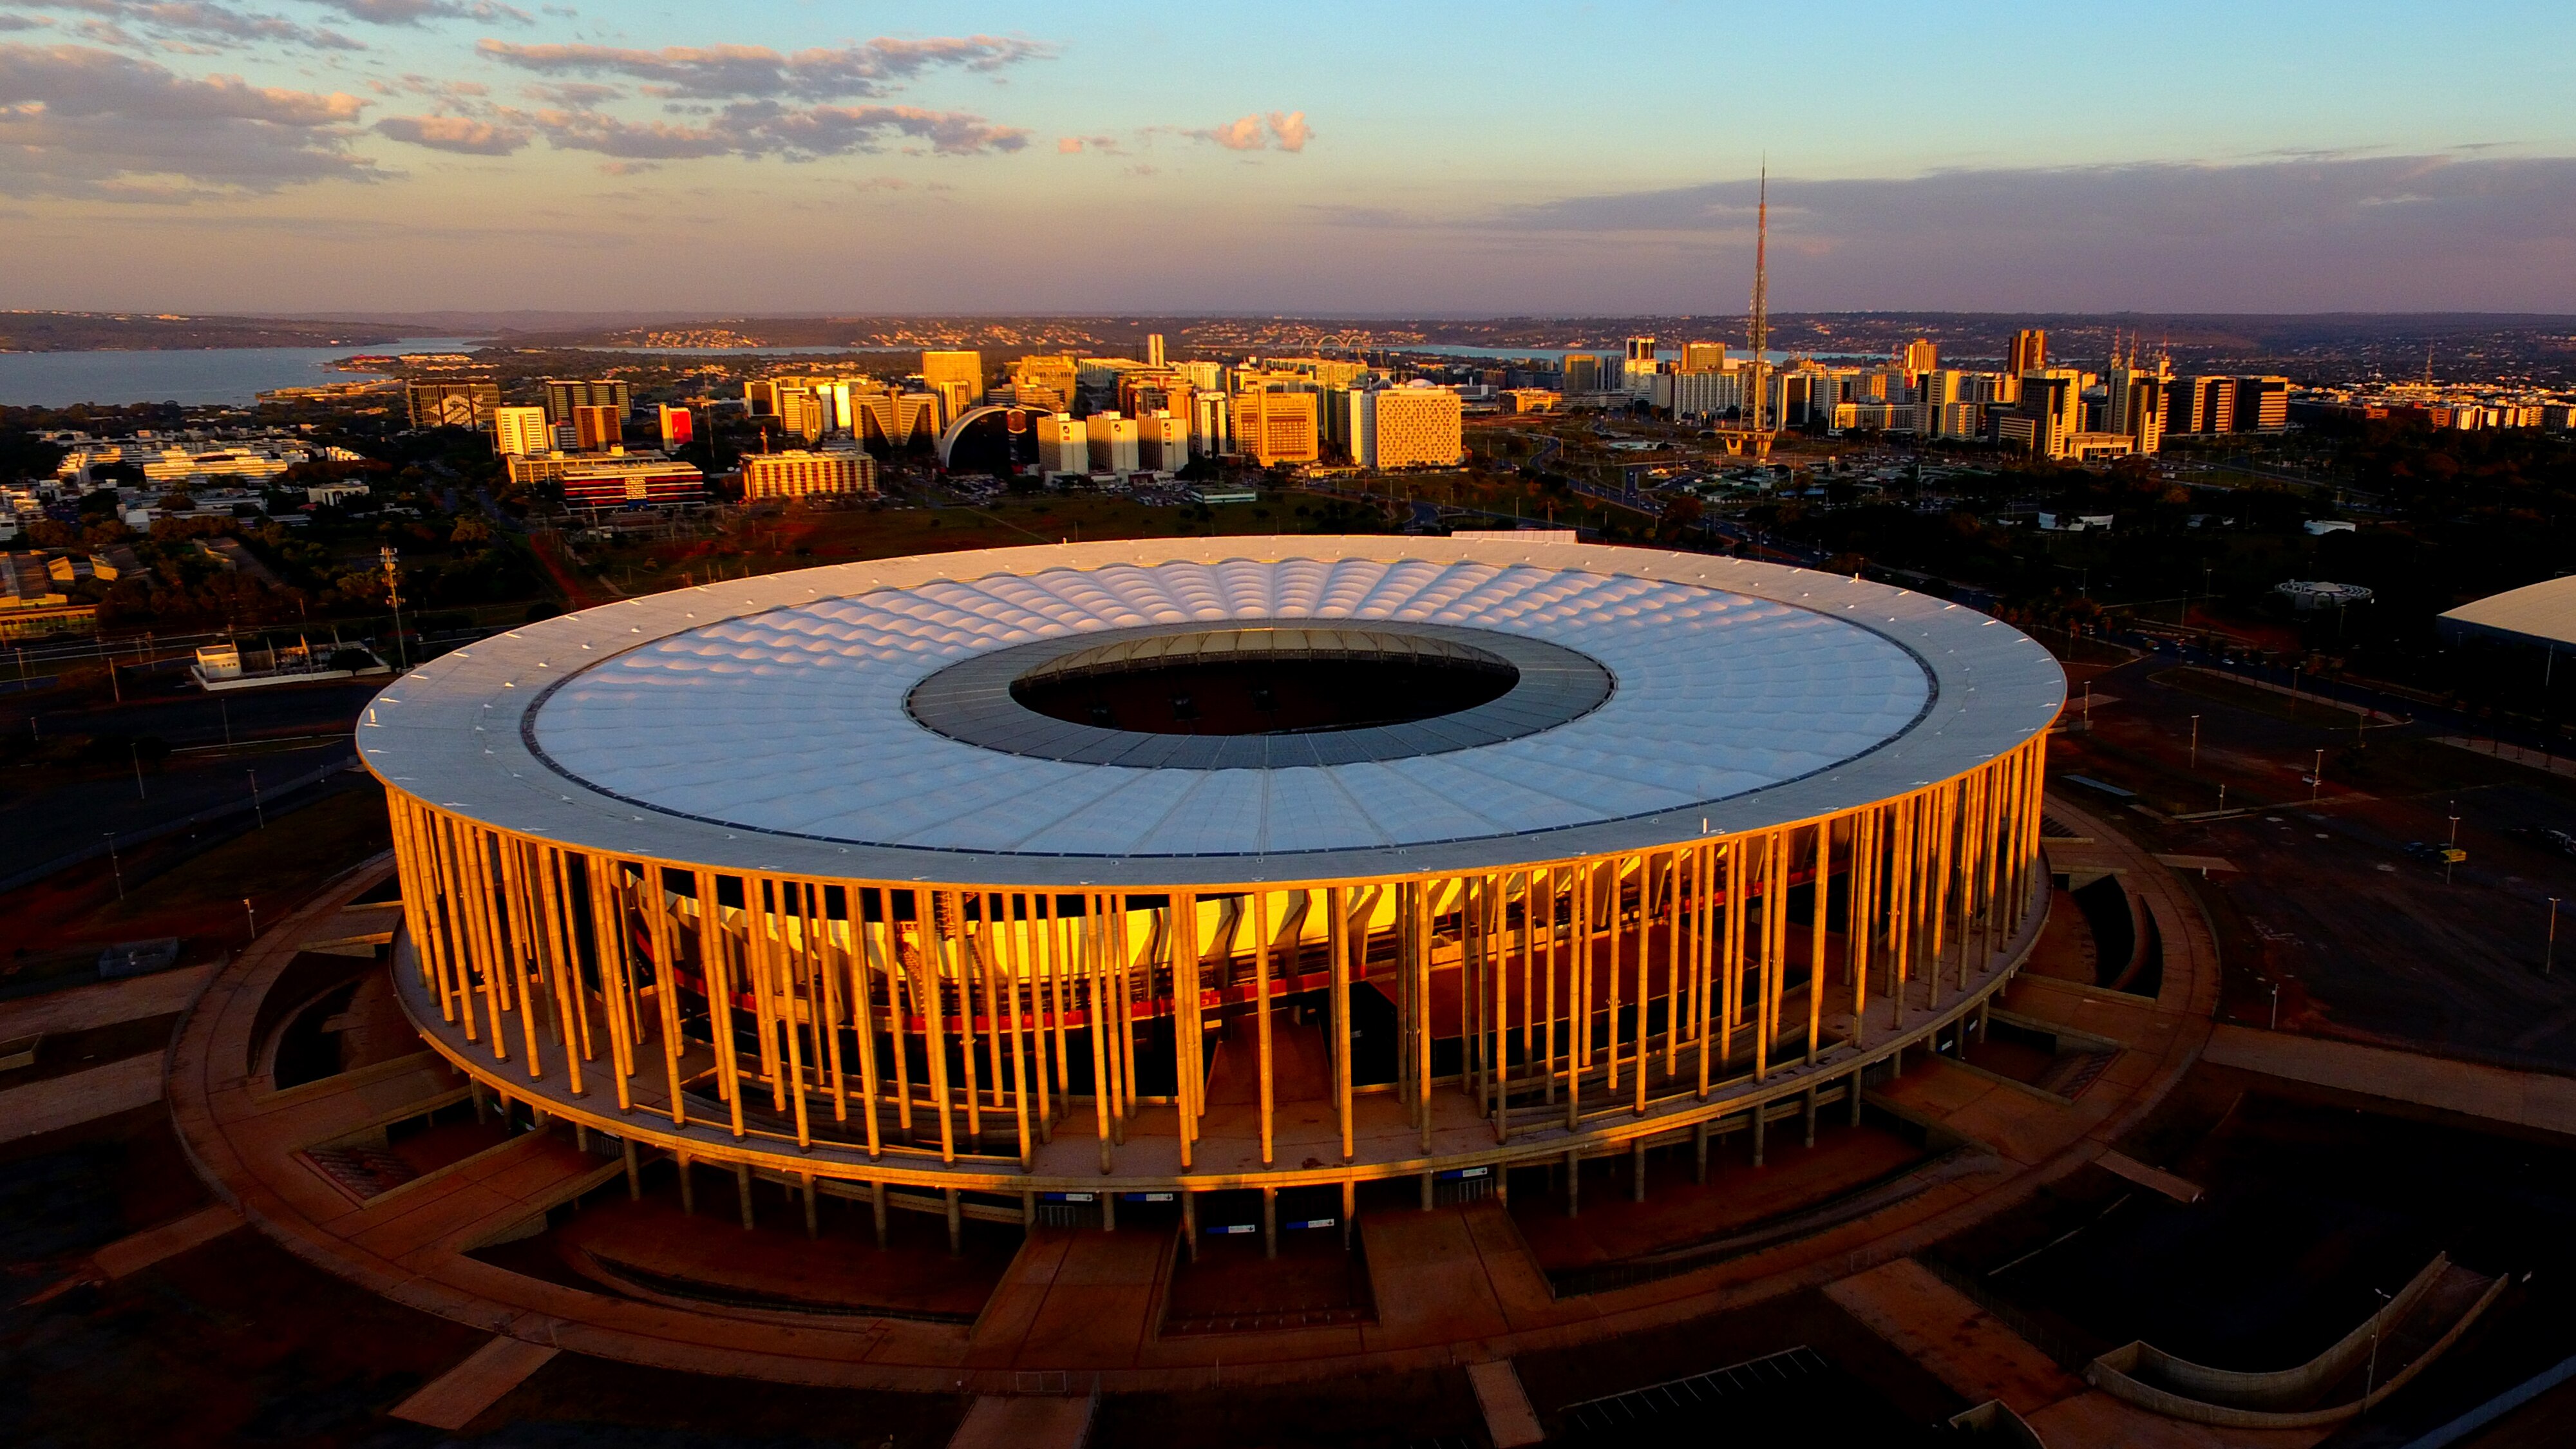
1759	323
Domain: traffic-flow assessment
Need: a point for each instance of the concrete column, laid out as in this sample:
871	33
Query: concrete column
813	1215
956	1222
1270	1222
1426	1192
1108	1212
1637	1167
634	1173
1190	1222
688	1186
742	1190
1757	1132
1811	1117
877	1207
1028	1212
1573	1183
1699	1152
1855	1090
1350	1213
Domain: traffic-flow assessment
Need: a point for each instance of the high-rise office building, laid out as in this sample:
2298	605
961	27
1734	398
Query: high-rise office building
805	412
598	428
893	419
2262	404
1582	373
1703	356
2029	352
1704	394
1212	422
1064	444
1153	349
1414	426
518	432
2200	405
676	426
2136	403
565	394
1277	427
1641	353
2051	410
1920	356
1043	381
453	402
1934	392
1113	442
958	379
797	473
1163	442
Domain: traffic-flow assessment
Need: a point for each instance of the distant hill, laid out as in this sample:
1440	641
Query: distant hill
161	332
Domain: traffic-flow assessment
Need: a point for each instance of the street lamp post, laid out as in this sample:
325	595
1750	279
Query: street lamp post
2454	847
2317	777
2549	952
2195	742
254	917
2370	1375
2276	1006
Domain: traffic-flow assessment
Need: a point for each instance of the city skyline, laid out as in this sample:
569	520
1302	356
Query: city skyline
387	154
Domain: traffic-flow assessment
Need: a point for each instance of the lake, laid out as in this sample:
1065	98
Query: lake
200	376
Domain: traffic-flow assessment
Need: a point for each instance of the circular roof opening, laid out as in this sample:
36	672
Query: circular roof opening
1265	681
1260	694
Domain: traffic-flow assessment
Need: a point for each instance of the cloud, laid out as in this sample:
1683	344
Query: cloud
765	128
461	134
1240	134
199	22
1074	145
413	12
576	94
77	121
726	72
1286	129
2369	232
24	22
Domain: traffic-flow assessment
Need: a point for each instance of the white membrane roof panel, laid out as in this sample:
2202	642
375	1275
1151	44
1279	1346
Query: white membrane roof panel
761	724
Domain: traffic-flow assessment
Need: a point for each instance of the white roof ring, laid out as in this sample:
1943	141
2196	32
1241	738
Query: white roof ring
762	724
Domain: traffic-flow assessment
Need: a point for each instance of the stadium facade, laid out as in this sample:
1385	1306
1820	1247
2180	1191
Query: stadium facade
1029	881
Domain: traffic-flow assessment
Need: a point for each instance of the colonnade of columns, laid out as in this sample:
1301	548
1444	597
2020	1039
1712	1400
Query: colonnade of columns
973	1027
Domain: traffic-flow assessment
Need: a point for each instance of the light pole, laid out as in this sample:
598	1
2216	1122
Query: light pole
2370	1375
134	752
2454	846
114	866
2316	777
2195	742
2549	953
259	811
2276	1006
254	917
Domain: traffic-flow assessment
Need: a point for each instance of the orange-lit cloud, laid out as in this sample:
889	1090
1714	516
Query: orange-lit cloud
461	134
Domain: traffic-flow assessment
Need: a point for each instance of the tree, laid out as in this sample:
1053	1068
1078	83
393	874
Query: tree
470	531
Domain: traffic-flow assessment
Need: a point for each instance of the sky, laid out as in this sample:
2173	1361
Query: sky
789	156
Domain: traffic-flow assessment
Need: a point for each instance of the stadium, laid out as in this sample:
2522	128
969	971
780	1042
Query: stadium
1221	875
